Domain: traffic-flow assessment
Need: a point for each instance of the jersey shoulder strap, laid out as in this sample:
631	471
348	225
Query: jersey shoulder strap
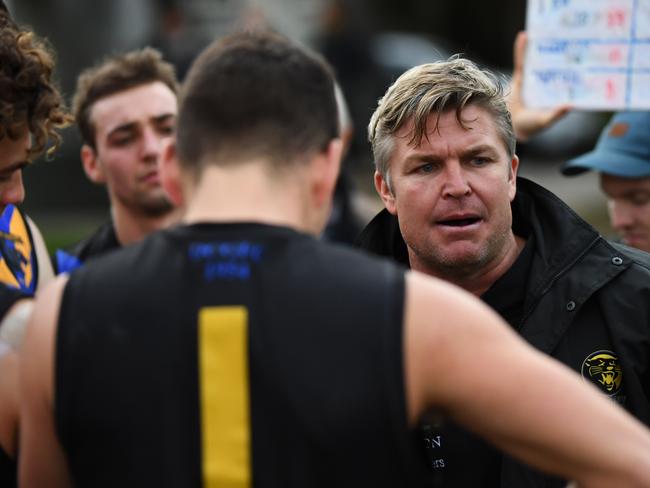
65	262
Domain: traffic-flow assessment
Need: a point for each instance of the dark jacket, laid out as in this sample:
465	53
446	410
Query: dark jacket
587	302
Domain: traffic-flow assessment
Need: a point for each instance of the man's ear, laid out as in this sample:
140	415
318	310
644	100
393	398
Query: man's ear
512	178
92	166
326	172
170	175
385	193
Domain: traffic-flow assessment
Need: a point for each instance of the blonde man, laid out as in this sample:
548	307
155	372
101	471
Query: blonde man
446	170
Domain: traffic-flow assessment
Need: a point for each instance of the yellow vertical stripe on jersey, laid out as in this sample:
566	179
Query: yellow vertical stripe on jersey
223	370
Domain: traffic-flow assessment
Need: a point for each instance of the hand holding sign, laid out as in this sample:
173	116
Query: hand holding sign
527	121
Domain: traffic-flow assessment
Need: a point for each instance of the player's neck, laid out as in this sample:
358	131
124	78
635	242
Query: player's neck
131	227
249	193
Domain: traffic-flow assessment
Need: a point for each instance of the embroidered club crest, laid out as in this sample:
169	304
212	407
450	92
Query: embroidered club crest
603	369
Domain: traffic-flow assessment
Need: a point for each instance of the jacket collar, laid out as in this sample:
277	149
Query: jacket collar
561	235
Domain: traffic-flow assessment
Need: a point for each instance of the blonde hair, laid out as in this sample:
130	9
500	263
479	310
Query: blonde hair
436	88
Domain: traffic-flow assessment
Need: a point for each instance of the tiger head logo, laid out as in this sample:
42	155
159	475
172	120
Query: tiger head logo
604	370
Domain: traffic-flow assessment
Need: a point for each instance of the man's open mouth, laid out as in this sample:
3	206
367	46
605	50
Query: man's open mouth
459	222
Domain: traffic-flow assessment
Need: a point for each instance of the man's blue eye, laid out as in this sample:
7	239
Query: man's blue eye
480	161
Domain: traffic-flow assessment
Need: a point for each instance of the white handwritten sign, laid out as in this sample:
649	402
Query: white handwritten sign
593	54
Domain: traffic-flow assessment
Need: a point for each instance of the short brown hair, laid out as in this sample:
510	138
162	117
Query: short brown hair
113	75
256	94
28	96
436	88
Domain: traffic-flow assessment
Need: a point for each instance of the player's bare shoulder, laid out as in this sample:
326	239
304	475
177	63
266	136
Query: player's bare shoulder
445	331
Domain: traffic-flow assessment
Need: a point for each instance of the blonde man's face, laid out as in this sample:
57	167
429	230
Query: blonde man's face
451	193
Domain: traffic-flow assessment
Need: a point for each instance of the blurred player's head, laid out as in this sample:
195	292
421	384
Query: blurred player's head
259	105
31	107
256	96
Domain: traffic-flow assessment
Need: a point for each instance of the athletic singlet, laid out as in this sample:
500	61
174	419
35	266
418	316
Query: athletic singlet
18	264
8	467
7	470
234	355
7	464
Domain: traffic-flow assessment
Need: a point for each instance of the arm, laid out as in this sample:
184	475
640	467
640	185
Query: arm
461	357
527	121
15	307
8	399
42	461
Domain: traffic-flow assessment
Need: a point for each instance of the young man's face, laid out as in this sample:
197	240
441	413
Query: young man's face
132	128
13	158
452	193
629	208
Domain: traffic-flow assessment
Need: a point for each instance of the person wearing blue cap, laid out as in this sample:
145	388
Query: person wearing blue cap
622	157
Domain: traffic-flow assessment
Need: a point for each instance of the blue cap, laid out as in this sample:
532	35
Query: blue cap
623	148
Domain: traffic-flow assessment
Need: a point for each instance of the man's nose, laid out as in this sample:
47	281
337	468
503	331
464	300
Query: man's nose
13	191
455	183
620	214
152	143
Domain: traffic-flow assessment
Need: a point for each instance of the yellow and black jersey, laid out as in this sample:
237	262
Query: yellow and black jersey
234	355
7	470
18	264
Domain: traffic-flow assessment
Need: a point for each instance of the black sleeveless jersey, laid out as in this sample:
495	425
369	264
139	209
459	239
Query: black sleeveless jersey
8	470
234	355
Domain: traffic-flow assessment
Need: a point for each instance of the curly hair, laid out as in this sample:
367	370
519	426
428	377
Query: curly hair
28	96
